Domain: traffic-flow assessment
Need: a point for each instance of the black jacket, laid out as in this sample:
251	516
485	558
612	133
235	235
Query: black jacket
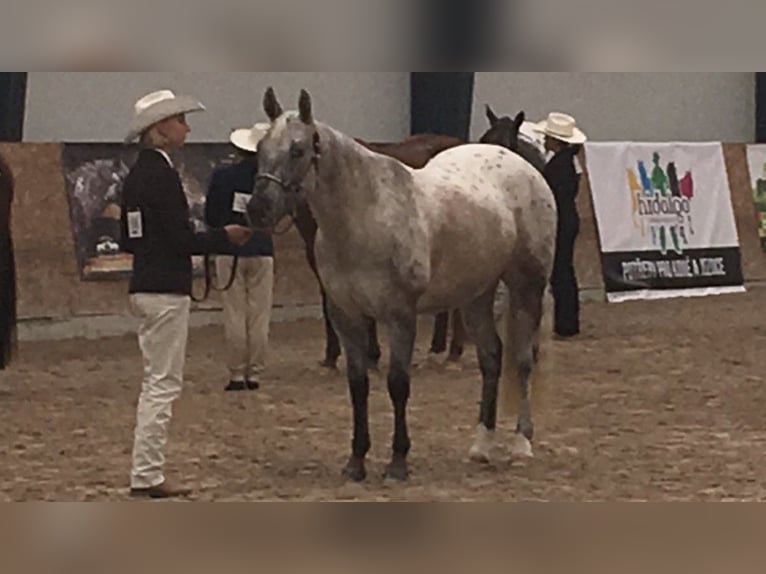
563	179
219	206
162	254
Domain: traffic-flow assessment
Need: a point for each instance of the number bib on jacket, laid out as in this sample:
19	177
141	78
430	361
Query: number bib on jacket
135	225
240	202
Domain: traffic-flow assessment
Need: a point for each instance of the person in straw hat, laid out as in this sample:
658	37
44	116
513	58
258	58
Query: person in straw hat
563	140
156	229
247	304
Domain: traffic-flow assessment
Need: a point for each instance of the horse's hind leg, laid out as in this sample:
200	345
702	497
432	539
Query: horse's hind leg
480	323
458	337
353	333
441	330
526	298
402	329
332	349
373	346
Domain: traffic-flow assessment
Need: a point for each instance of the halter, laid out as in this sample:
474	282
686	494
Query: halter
293	191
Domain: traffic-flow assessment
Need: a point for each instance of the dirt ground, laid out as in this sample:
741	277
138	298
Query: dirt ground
661	401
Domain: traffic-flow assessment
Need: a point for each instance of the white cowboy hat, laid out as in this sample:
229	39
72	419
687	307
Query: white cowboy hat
248	138
562	127
158	106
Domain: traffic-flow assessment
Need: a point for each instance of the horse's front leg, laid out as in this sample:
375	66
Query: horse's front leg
353	333
403	330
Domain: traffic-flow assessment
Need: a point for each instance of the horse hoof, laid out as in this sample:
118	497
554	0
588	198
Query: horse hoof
479	456
329	364
481	450
355	471
397	471
453	367
522	447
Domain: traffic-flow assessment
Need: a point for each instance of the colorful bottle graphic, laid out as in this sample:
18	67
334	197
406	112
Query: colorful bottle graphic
659	179
646	183
675	186
687	186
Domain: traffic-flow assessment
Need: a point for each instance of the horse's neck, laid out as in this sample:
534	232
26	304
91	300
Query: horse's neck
349	182
532	154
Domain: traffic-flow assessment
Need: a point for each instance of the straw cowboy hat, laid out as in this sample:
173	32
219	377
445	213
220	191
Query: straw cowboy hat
562	127
158	106
247	139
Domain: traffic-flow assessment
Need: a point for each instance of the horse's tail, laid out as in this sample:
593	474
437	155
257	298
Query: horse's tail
516	347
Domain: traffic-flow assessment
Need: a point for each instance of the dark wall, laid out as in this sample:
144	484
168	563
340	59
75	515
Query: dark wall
13	93
442	103
760	107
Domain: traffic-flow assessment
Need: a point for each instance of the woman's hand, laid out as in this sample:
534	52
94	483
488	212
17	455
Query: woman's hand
238	235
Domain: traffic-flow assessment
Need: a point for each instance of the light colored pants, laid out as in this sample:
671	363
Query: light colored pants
247	314
162	337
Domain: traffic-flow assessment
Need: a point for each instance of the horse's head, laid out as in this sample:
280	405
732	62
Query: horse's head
285	157
503	131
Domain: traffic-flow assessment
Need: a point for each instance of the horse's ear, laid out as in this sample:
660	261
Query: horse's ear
305	108
491	116
519	121
271	105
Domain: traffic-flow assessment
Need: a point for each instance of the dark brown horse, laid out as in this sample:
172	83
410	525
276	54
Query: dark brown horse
415	152
7	269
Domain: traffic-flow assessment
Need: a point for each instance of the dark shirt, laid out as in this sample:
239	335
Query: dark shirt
225	184
162	262
563	179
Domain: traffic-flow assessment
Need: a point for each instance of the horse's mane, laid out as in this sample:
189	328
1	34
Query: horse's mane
415	151
531	153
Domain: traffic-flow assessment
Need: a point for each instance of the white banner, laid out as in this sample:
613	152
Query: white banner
756	159
665	220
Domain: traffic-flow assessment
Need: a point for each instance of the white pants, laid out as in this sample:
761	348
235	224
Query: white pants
247	314
162	337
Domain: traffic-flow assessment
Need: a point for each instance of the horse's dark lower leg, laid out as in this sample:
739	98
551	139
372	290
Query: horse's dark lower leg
359	385
332	350
441	330
526	300
480	322
403	332
458	337
373	350
353	332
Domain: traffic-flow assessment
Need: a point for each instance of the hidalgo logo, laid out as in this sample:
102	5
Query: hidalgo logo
662	204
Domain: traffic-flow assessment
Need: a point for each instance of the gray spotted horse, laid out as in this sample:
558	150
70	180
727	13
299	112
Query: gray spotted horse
394	242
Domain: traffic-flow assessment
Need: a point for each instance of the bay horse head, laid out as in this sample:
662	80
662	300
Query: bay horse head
503	131
285	157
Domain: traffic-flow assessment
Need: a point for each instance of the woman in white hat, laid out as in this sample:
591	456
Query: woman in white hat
157	231
247	304
562	142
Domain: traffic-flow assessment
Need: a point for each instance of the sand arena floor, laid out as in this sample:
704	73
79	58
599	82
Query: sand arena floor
656	401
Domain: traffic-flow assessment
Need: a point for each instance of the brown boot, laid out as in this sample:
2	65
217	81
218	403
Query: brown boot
162	491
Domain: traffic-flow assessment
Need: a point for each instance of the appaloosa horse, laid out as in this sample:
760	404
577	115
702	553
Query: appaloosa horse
7	268
393	242
415	152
